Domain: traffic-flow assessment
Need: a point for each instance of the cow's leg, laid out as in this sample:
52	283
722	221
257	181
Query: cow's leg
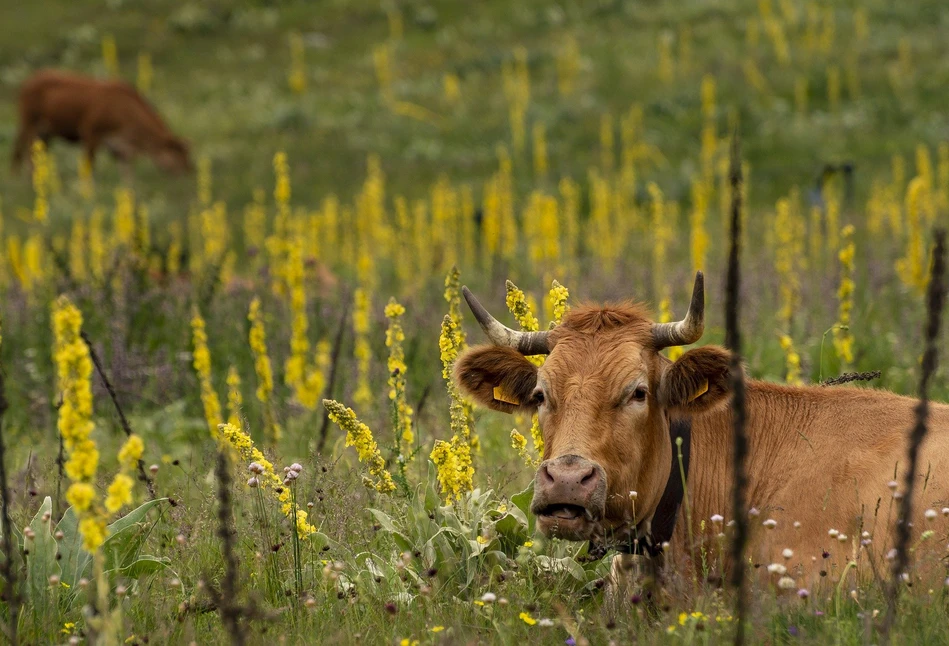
21	148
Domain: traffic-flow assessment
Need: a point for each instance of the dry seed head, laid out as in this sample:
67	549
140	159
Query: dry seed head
931	514
770	523
717	519
786	583
777	568
787	553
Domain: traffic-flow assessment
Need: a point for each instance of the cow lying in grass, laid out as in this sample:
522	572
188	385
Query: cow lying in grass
623	426
95	113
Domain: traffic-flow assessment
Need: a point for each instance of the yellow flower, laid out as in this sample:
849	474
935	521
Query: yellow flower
120	493
359	436
517	304
527	619
395	336
80	495
131	452
528	543
202	366
482	540
519	442
558	297
843	338
234	397
437	629
93	533
242	443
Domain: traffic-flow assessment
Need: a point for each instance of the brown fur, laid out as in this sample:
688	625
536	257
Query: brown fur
820	457
95	113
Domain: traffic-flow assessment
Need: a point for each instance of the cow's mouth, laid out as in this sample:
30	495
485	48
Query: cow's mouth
570	522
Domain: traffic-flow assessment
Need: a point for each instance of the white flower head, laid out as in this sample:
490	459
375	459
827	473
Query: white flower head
717	518
489	597
770	523
787	553
253	483
833	533
931	514
786	583
777	568
545	622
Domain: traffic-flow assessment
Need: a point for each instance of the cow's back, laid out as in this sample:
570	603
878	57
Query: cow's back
63	104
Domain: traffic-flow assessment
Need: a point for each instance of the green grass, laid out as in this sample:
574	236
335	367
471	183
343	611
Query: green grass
221	81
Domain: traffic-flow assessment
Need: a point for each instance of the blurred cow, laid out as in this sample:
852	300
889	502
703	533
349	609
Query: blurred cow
95	113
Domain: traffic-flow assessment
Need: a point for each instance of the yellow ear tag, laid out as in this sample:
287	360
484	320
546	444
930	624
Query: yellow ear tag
500	396
702	391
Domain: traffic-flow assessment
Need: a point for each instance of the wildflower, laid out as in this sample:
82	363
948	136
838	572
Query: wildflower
786	583
528	544
80	495
266	477
119	493
770	523
558	298
545	623
833	533
527	619
489	597
253	482
359	436
453	458
296	467
776	568
803	593
395	336
892	484
202	366
787	553
263	369
717	519
482	540
437	629
519	443
931	514
843	339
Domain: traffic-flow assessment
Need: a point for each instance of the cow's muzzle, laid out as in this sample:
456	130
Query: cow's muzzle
569	497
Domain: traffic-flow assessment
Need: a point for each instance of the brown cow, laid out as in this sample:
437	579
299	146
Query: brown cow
96	113
609	403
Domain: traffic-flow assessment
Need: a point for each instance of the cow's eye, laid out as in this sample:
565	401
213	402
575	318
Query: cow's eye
639	395
537	397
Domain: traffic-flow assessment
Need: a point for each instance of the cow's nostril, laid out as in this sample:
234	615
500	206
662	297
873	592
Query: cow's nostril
546	474
589	478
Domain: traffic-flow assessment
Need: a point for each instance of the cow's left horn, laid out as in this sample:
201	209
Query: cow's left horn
527	343
688	330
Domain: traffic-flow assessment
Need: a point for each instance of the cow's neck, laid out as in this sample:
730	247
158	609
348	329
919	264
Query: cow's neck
775	416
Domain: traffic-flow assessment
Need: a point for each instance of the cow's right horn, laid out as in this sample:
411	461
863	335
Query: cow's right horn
688	330
527	343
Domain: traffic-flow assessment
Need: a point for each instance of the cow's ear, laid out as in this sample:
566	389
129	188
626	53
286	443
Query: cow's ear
697	381
496	377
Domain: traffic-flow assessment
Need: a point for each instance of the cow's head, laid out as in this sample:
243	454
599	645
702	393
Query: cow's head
173	155
604	397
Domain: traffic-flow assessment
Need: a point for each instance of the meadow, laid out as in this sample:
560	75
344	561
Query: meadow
357	162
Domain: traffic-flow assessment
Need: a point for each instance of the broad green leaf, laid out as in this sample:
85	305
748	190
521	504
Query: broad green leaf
389	526
75	561
127	535
143	565
523	502
41	560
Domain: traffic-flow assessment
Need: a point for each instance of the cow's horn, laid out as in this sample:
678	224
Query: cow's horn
527	343
688	330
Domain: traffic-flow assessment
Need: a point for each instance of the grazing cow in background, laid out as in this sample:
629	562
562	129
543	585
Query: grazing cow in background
95	113
613	411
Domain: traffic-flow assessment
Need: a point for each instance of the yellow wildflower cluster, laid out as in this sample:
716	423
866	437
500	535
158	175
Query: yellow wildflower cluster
362	350
792	361
267	479
202	366
912	268
74	378
519	444
453	458
296	79
41	181
665	316
119	493
843	338
234	398
557	297
359	436
395	337
258	345
304	378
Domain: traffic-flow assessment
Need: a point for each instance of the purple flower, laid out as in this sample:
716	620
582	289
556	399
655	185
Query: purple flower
571	641
792	630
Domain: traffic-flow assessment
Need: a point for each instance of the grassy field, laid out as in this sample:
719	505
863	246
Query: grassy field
353	152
